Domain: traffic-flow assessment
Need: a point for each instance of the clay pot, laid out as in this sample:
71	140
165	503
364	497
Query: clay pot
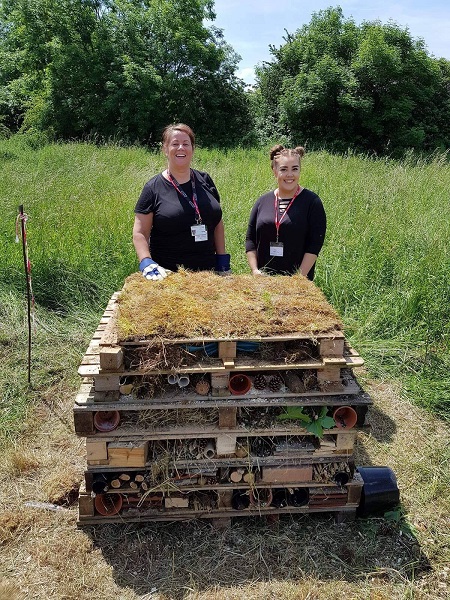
108	504
106	420
261	497
239	384
345	417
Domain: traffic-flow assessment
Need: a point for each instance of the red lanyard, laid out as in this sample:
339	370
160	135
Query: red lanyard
193	203
277	198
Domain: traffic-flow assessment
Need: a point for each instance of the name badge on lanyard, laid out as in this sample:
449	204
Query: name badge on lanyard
198	230
276	248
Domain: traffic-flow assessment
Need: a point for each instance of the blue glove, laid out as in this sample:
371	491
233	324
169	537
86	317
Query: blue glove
223	264
151	270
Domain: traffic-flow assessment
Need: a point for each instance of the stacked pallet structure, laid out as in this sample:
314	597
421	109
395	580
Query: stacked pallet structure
165	444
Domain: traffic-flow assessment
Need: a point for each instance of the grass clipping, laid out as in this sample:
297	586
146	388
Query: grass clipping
199	305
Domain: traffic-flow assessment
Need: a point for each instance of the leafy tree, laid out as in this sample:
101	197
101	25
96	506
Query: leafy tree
121	68
340	85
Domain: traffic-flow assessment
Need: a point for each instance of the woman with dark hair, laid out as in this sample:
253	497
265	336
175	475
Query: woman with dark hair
178	218
287	226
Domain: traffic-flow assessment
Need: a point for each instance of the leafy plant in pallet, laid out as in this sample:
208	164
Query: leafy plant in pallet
315	422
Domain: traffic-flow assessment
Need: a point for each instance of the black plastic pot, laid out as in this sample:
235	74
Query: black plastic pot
299	497
240	500
380	491
280	498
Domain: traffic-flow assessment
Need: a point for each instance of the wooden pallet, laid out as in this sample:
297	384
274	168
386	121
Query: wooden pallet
201	485
139	452
162	507
105	358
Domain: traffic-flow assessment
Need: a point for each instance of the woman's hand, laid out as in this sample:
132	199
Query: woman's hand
151	270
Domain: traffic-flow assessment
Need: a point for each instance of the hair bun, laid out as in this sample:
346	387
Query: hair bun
275	150
300	151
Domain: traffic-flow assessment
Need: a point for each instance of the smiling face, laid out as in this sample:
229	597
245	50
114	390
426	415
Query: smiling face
287	171
179	151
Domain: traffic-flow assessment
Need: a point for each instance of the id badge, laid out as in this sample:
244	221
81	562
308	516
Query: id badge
199	232
276	249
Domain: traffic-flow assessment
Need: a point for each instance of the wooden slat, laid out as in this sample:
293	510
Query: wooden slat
180	515
88	369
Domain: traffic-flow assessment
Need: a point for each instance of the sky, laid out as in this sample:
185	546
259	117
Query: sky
249	26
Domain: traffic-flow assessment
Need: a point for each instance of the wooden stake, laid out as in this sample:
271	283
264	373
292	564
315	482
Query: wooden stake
28	283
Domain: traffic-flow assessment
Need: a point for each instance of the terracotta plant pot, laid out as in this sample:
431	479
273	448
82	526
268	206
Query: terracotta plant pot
106	420
108	504
239	384
345	417
261	497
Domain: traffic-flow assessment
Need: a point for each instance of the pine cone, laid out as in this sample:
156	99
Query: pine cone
275	383
259	381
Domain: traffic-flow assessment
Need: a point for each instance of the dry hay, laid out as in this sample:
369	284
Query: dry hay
197	305
149	419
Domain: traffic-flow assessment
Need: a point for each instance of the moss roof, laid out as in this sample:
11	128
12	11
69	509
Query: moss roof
202	304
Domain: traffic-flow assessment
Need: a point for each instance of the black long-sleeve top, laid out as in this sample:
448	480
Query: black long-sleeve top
302	230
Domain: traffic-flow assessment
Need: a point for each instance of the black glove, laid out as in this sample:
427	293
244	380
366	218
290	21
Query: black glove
223	264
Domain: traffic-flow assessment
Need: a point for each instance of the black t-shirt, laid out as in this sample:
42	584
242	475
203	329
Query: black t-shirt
171	241
302	230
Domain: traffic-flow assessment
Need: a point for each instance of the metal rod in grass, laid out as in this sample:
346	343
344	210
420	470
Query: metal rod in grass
23	218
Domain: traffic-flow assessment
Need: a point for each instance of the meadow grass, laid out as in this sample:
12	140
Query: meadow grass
384	266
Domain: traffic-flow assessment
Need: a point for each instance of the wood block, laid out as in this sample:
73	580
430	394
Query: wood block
227	417
287	474
107	383
228	363
219	384
84	423
227	349
224	499
225	445
346	441
129	454
111	359
354	488
85	505
329	374
221	523
96	450
174	502
332	347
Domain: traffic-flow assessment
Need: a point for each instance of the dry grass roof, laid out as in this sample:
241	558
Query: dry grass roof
204	305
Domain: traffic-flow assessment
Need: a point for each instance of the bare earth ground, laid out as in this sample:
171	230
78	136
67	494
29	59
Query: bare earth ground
44	556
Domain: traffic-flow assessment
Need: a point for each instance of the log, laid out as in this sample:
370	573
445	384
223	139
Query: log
235	476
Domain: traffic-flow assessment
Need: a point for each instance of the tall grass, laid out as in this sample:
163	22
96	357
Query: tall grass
385	264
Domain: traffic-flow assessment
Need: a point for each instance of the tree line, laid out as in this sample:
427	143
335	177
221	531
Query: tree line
123	69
